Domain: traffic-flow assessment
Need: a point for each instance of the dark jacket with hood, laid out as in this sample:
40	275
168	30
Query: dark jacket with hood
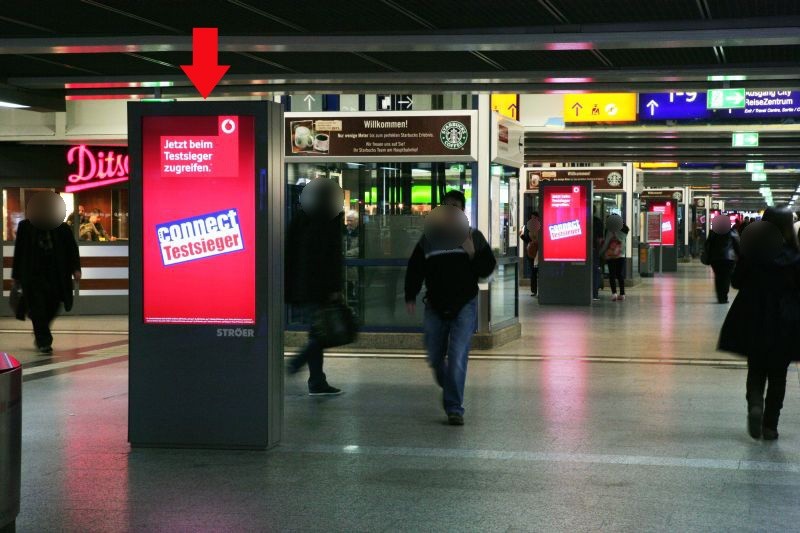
450	276
314	258
28	270
764	319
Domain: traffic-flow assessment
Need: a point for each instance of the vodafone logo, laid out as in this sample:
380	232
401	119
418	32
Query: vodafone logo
611	110
576	189
228	126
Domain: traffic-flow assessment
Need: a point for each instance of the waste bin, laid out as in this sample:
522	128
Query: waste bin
646	260
10	440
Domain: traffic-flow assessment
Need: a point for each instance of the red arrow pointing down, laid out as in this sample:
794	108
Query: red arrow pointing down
204	72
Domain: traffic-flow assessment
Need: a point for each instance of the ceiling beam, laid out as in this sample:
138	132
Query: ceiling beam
513	39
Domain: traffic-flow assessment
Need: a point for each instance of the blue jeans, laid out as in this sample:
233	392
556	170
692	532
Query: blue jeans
447	342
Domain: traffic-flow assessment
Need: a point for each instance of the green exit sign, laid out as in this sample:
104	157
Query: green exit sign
759	176
754	166
745	139
725	99
458	168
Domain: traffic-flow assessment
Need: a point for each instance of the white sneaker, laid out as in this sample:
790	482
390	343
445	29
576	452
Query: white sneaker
621	298
614	297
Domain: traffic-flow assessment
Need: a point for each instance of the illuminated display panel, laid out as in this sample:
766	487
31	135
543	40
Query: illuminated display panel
668	220
564	223
198	179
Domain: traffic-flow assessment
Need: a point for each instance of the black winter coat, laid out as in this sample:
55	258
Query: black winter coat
764	319
314	258
722	247
65	252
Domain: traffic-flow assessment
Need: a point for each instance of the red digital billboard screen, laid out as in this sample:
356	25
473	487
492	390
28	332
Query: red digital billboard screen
198	180
668	220
564	223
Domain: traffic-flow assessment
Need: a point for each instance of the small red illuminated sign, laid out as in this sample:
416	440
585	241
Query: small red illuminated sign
96	167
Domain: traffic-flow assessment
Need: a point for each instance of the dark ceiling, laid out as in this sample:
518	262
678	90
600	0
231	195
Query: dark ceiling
90	48
419	44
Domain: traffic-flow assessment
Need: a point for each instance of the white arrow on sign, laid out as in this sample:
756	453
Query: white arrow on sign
737	98
408	103
652	105
309	99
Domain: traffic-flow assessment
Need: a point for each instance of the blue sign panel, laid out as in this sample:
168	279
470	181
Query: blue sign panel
765	104
673	106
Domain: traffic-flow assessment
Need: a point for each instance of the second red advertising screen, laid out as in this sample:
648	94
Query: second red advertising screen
199	219
667	210
565	228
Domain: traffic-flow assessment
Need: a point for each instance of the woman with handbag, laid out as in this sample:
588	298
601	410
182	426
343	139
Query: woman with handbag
720	253
613	251
315	277
764	318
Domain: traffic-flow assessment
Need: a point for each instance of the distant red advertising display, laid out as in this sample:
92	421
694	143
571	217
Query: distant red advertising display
668	219
564	223
199	219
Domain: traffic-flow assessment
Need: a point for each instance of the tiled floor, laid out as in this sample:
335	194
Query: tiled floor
617	418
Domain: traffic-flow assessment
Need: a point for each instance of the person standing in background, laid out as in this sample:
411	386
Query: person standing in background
720	253
46	259
530	237
597	258
613	252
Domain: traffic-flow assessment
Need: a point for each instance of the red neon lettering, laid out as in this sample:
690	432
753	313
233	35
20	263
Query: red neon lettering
91	167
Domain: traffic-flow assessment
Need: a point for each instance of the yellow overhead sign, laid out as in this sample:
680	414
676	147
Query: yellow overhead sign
657	164
600	107
507	105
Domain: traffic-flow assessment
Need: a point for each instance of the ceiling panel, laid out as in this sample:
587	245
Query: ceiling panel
451	14
594	12
24	66
753	8
540	60
763	54
327	62
662	57
434	61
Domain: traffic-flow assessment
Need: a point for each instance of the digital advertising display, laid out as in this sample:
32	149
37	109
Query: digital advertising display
668	219
564	223
198	220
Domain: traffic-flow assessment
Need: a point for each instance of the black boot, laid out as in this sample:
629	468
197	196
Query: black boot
755	416
770	426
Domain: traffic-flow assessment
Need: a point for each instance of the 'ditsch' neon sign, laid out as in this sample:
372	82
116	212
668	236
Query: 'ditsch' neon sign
95	167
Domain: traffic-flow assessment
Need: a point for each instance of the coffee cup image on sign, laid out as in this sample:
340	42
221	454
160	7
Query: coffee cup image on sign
322	142
303	136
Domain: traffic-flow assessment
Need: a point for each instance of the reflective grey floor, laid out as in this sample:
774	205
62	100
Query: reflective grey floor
618	418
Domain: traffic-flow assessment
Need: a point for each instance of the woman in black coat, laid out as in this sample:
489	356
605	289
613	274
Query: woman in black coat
45	261
765	316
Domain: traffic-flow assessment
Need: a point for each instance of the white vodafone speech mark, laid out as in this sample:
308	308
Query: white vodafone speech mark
228	126
611	110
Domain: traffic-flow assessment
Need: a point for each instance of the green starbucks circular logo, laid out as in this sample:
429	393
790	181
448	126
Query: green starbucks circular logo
454	135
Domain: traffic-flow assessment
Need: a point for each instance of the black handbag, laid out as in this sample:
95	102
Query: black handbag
334	324
17	301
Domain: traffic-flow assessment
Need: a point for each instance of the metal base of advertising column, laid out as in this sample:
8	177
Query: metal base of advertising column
565	254
206	274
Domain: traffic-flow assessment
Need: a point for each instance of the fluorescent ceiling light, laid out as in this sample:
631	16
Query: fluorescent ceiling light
12	105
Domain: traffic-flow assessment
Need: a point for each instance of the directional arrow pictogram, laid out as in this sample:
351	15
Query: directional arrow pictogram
652	105
205	72
577	107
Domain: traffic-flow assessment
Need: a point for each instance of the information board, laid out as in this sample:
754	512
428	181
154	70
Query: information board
668	219
565	230
653	234
198	220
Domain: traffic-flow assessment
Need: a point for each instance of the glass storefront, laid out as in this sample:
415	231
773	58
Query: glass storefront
96	215
503	238
385	205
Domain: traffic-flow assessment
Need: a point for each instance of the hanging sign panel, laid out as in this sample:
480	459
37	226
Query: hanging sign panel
199	219
673	106
600	107
564	219
419	136
765	104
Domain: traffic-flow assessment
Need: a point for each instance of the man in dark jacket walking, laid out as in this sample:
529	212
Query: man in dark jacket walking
451	279
315	269
46	258
720	252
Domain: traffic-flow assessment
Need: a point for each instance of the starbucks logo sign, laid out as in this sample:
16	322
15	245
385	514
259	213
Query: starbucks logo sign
614	179
454	135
